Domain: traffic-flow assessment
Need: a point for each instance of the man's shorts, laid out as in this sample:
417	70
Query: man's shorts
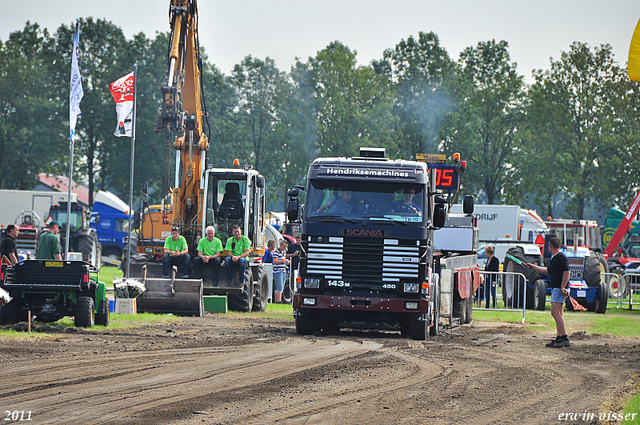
278	281
557	297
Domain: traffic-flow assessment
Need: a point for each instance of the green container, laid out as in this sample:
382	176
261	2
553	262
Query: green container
215	303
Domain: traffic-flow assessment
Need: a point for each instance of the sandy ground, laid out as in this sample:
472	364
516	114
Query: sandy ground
222	370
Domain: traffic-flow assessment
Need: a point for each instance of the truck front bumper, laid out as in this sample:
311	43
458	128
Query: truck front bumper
331	302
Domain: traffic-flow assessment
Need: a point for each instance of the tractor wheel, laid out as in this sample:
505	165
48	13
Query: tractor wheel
102	317
435	314
89	247
600	303
261	295
134	246
9	313
593	268
540	295
244	301
419	326
84	312
307	322
617	284
513	287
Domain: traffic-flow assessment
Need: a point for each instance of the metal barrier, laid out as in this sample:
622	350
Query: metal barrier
625	289
510	292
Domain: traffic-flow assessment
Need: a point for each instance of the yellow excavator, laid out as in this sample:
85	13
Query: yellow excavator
201	196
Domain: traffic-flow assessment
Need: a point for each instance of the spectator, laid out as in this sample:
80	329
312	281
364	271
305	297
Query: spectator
8	250
293	253
49	245
280	263
490	281
176	252
338	204
238	246
268	254
209	251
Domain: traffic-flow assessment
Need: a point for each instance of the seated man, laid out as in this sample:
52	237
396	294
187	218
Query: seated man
175	252
209	251
407	205
338	204
238	246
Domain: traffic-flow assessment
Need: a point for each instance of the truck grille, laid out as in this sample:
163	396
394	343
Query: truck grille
364	260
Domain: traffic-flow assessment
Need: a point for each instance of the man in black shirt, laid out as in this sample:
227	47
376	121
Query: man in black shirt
8	246
559	275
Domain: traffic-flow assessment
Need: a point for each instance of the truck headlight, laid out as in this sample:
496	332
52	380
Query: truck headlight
312	282
411	288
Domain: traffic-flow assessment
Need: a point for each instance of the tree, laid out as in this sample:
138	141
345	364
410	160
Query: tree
487	117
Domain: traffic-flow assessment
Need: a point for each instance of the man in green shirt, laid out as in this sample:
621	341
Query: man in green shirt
238	247
209	251
176	252
49	245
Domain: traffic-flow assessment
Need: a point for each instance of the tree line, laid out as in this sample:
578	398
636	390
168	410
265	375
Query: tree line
569	136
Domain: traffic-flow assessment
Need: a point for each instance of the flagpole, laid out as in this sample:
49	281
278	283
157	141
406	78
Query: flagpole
133	148
75	96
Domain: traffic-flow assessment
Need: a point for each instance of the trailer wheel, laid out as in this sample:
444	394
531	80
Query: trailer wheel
244	301
9	313
600	303
307	322
435	321
261	295
617	284
468	317
419	326
84	312
540	295
102	317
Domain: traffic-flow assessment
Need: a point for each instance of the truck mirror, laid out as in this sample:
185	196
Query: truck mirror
467	204
292	209
260	182
136	220
439	199
293	192
145	188
439	215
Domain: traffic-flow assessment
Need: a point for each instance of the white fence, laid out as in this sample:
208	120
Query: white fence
505	291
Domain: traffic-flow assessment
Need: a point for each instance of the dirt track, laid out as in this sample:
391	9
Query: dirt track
246	370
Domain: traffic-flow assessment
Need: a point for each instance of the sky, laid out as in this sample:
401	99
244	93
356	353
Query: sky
284	30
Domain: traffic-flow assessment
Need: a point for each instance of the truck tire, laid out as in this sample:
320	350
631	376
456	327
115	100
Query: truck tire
600	303
261	295
531	276
84	312
618	284
90	249
435	315
468	317
419	326
540	295
307	322
593	269
9	313
244	301
102	317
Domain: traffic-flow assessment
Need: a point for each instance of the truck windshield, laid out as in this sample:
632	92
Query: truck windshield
366	200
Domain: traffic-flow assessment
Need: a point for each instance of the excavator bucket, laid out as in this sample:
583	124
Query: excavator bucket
182	297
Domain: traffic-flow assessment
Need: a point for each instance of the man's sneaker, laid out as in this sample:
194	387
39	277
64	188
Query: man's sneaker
563	342
552	343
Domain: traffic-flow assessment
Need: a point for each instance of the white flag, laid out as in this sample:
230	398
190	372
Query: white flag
123	90
76	92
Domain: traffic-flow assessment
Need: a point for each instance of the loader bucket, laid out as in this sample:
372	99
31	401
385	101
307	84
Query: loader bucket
182	297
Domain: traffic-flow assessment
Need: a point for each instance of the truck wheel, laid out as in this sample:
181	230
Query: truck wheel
468	318
102	317
84	312
600	303
593	269
262	290
244	301
540	295
419	326
530	275
9	313
88	246
435	315
307	322
617	284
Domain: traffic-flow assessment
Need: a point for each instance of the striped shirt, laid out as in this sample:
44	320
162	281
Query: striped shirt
282	267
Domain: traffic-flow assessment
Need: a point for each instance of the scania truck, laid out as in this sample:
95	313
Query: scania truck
368	253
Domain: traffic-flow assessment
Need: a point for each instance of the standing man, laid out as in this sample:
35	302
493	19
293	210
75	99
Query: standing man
49	245
493	265
280	263
238	246
559	275
8	248
209	251
176	252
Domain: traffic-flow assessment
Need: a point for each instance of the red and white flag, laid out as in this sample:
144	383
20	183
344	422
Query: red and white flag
123	94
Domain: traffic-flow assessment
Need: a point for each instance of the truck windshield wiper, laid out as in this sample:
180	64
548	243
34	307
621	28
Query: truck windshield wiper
388	220
336	219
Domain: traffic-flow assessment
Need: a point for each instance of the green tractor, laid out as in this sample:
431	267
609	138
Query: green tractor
83	238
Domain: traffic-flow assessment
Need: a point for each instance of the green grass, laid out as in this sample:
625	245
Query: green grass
633	406
107	273
274	311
